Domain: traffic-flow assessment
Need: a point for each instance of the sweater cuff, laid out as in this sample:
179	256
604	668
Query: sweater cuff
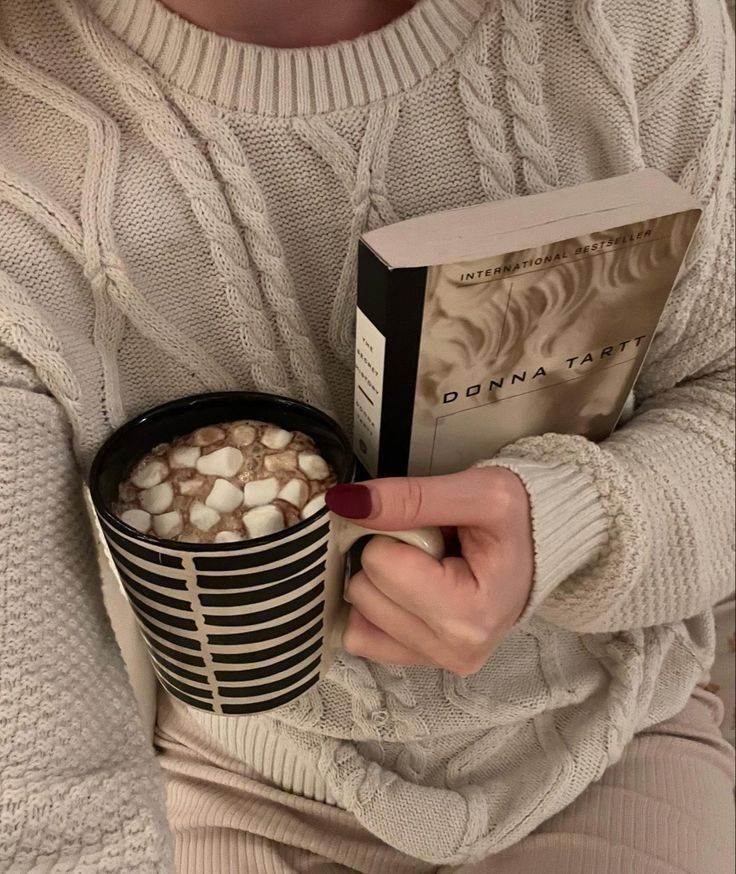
569	523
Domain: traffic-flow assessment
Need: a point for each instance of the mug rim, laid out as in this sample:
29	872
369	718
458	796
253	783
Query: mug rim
160	411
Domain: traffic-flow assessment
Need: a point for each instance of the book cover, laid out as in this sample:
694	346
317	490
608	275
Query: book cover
457	358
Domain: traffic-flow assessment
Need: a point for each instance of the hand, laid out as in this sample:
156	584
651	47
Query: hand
410	609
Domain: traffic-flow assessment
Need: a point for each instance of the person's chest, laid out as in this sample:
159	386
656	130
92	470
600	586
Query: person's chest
236	221
228	239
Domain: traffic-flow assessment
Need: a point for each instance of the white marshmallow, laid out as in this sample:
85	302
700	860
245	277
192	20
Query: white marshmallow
207	436
191	486
260	491
281	461
184	456
314	506
150	474
223	462
261	521
158	499
227	537
295	492
243	435
313	465
168	524
203	517
276	438
138	519
224	496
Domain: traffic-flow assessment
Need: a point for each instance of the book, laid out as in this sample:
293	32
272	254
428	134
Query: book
481	325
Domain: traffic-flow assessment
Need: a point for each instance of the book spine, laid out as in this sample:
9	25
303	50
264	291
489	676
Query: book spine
388	333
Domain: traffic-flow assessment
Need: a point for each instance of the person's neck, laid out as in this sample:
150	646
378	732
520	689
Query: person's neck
290	23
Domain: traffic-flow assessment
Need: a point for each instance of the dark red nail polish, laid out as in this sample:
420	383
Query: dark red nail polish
353	501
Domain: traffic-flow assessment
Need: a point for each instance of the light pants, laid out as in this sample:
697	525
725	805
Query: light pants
665	808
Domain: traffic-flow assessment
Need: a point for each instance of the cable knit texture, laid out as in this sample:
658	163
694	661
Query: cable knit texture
180	213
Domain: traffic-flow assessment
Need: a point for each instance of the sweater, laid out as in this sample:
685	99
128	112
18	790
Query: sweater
180	213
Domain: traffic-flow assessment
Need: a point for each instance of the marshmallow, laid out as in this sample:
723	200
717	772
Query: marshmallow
193	486
314	506
313	465
295	492
203	517
158	499
276	438
168	524
242	435
208	436
260	491
184	456
261	521
280	461
138	519
223	462
150	474
227	537
224	496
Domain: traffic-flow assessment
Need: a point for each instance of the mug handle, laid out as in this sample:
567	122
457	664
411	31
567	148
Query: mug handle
429	540
346	532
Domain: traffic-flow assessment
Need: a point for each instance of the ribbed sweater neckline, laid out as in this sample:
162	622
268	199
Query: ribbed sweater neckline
287	82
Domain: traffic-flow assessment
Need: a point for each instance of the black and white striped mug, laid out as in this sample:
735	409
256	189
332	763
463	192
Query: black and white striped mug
235	628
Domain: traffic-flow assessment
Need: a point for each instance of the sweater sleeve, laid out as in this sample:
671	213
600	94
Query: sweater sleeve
639	530
81	789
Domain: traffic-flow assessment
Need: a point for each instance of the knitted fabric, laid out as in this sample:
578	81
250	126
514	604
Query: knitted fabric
179	213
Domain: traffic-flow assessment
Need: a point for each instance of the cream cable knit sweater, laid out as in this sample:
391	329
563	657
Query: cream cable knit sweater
178	213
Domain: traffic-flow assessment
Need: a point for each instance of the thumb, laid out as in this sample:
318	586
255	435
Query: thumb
396	503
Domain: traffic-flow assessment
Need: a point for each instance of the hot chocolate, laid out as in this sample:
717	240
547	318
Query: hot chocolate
225	483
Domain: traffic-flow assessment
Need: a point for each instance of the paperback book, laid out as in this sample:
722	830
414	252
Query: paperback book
478	326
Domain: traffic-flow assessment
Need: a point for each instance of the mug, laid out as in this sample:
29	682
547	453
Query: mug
246	627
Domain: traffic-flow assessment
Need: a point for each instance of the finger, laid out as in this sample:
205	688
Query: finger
362	638
394	620
472	497
415	581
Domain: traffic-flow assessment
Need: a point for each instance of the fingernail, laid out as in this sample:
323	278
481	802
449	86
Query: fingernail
353	501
